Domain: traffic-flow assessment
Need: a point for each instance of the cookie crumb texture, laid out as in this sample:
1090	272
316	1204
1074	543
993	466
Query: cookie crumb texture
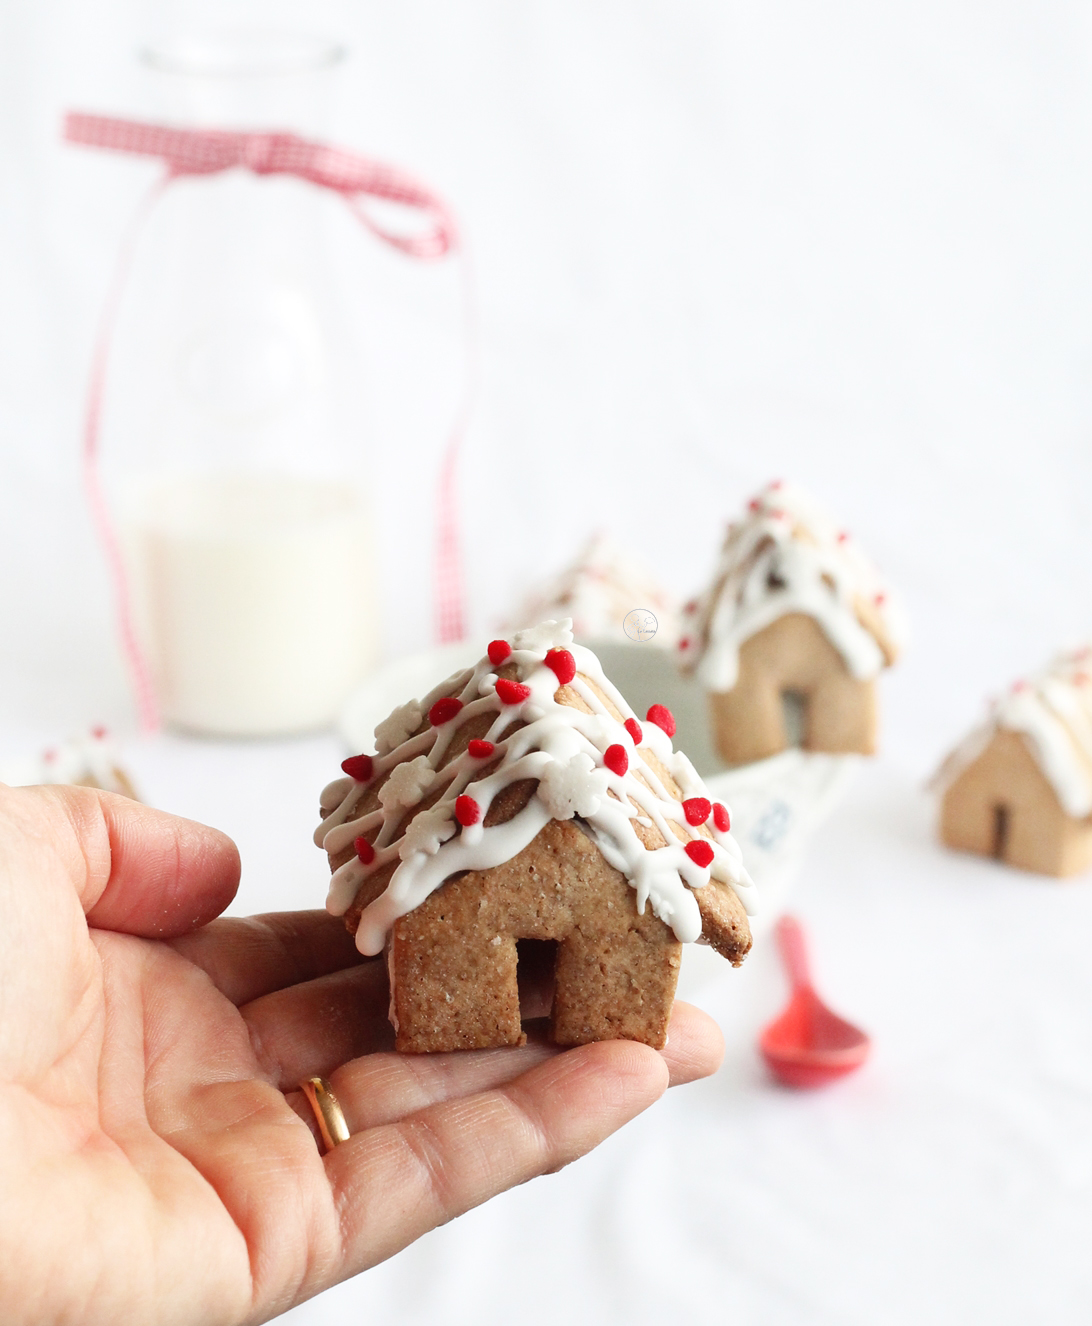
615	975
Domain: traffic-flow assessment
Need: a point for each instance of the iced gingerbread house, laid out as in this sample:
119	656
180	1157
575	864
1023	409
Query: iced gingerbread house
1019	788
523	800
608	596
791	634
89	760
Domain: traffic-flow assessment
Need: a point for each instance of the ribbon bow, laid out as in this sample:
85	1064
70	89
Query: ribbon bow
355	178
208	151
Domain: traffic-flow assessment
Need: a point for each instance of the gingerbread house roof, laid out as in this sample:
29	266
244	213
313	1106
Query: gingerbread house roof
599	590
534	728
787	554
89	760
1052	711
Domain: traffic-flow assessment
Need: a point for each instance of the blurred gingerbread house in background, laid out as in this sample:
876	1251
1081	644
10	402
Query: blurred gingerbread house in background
89	760
609	596
1019	788
790	636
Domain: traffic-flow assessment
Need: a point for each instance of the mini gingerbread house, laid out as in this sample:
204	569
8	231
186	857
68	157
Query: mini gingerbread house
1019	788
609	596
523	800
792	633
89	760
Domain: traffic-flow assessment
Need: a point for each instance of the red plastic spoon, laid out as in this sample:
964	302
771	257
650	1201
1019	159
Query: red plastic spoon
808	1045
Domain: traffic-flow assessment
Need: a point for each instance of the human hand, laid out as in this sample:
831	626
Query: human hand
157	1163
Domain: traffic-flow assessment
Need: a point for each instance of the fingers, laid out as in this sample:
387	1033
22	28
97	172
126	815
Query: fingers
695	1045
448	1131
313	1028
384	1088
452	1156
248	957
329	1023
137	870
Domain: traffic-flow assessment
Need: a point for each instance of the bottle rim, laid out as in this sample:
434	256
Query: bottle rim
242	53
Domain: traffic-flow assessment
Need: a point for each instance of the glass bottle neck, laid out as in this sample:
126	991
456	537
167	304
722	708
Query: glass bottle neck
245	79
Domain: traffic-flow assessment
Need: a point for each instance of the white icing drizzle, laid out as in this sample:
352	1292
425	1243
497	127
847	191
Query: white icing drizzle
788	555
561	747
1053	710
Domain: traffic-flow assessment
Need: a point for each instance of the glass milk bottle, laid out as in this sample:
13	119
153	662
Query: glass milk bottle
232	456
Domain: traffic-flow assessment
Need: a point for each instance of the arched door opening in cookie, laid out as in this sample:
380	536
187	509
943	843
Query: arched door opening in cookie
1001	817
794	715
536	968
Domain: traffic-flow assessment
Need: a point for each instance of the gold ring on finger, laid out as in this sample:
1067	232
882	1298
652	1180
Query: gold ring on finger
329	1115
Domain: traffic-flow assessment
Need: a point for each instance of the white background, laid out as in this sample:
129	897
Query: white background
713	243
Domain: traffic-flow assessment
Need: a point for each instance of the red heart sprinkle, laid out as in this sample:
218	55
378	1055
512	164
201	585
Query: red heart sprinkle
721	818
616	759
754	504
662	716
697	810
498	651
634	729
512	692
467	811
480	750
358	767
684	645
443	711
98	733
364	850
562	664
700	852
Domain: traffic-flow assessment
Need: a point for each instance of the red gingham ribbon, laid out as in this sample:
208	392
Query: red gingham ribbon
355	178
208	151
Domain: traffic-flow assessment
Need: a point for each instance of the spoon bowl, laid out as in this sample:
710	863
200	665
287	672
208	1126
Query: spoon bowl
808	1045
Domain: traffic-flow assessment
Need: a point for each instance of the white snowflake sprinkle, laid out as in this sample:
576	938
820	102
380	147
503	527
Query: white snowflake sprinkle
408	783
549	635
575	787
427	831
402	723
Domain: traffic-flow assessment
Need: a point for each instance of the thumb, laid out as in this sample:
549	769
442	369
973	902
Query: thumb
139	870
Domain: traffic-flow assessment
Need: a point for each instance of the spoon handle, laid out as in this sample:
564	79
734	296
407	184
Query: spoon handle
794	951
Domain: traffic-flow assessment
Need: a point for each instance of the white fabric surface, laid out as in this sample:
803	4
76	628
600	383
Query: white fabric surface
714	243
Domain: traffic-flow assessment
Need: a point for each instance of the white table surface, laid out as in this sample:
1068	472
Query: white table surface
949	1181
714	243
